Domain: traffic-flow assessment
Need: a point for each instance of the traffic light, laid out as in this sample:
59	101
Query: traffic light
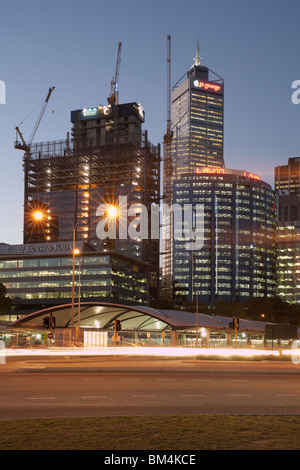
118	325
235	323
46	323
53	322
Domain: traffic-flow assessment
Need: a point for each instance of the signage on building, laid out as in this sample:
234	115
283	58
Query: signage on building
218	171
207	85
89	112
223	171
40	248
251	175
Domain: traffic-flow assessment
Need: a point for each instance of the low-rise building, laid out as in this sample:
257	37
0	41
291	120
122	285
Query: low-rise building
43	275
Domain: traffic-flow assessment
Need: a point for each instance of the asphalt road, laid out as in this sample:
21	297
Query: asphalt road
113	387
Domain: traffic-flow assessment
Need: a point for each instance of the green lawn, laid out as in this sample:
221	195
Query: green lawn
153	433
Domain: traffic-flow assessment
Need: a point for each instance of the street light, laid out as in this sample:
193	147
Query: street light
194	275
38	215
112	211
79	293
75	252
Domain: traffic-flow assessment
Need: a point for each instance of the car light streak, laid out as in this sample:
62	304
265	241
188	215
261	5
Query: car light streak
147	351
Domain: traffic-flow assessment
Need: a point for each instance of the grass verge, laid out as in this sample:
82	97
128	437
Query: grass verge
153	433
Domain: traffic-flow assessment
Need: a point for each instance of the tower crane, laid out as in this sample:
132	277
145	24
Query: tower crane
169	134
26	146
113	98
167	189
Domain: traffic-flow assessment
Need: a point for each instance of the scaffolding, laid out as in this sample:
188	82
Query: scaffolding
68	182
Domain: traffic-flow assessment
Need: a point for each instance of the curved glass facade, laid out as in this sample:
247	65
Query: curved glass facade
238	256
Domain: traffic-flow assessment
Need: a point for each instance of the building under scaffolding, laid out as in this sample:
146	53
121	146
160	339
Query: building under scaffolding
107	157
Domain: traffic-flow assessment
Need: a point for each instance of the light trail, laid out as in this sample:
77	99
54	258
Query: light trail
148	351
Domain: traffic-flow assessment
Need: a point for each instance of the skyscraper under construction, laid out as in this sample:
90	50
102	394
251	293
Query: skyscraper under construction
107	156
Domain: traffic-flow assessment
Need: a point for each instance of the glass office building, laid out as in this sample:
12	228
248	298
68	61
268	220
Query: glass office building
238	256
41	275
197	121
287	185
288	255
197	139
287	177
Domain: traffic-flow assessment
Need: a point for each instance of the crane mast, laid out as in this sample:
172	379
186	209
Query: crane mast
169	134
169	86
167	264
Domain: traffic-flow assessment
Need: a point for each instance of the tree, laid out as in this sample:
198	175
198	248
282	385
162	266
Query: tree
5	301
273	309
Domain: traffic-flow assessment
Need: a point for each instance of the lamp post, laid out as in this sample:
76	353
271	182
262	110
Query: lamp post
78	313
75	252
195	277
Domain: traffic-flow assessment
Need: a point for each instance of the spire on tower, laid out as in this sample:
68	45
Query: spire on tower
197	59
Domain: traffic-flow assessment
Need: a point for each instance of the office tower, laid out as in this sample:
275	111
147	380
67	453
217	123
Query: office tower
237	258
108	156
288	255
197	130
287	177
287	185
197	120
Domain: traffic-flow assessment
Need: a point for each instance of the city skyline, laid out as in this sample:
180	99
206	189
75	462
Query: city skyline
44	45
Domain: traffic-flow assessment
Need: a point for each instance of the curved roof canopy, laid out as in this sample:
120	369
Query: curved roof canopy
102	315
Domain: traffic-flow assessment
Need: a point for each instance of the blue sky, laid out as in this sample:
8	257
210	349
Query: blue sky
72	45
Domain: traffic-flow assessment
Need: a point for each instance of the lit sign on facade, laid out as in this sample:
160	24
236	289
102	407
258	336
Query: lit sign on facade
207	86
251	175
219	171
223	171
95	112
88	112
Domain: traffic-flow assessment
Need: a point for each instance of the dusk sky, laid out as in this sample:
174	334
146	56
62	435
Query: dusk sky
72	45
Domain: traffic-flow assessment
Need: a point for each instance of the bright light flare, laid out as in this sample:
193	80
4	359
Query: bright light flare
38	215
112	212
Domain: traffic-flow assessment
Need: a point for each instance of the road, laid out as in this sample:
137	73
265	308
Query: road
66	388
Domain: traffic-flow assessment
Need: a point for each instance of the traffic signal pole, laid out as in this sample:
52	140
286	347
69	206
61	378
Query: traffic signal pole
235	332
117	327
235	325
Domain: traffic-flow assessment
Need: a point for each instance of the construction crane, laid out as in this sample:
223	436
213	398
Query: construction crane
169	134
113	98
167	189
22	145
